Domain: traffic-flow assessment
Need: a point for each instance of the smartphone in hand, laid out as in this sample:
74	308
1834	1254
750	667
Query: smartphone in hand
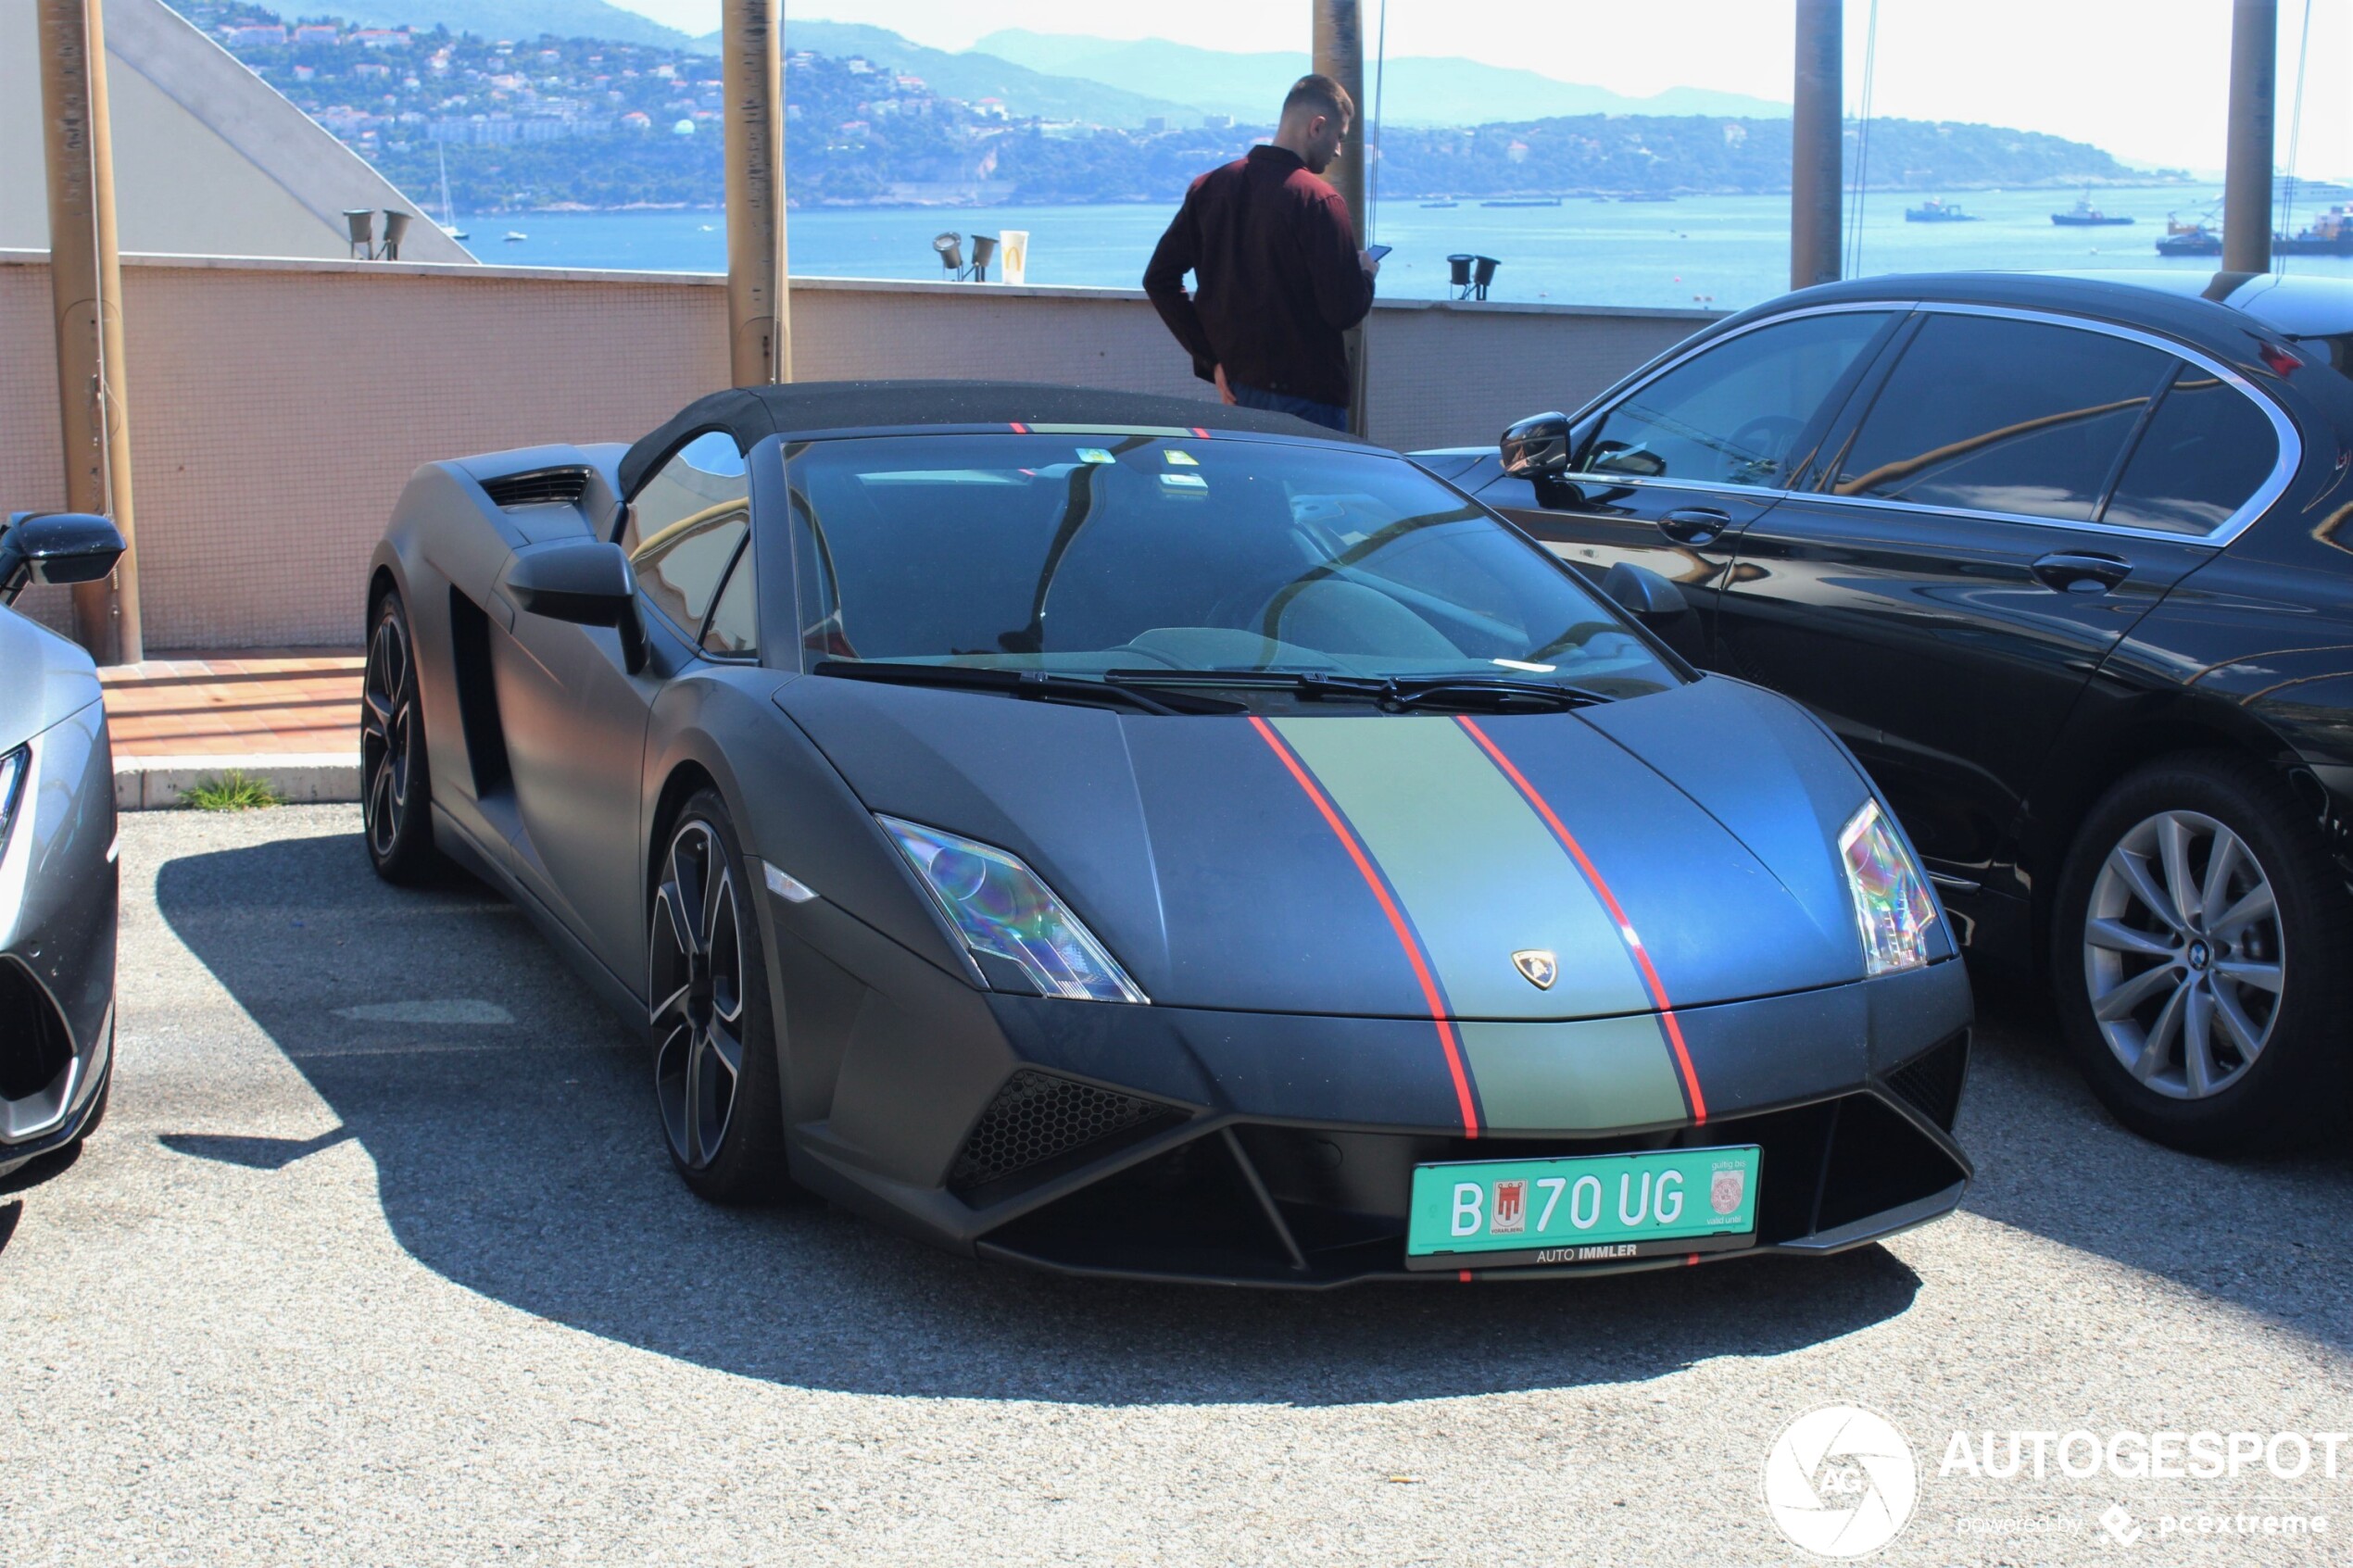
1377	252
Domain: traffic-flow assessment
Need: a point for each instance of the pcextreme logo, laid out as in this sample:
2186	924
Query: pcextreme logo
1840	1481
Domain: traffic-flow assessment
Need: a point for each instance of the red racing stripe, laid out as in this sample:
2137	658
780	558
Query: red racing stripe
1625	927
1405	940
1020	429
1200	431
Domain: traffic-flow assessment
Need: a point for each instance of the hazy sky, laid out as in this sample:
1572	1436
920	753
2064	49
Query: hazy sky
2144	79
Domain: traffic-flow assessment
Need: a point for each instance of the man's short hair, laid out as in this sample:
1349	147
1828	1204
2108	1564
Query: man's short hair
1323	96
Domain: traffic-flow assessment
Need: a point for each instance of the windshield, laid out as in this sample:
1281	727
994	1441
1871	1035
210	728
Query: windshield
1083	554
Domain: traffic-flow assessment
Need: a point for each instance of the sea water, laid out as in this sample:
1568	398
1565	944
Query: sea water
1710	252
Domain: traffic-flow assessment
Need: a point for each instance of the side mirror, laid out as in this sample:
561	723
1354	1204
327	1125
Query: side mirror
1644	593
1537	448
584	583
55	547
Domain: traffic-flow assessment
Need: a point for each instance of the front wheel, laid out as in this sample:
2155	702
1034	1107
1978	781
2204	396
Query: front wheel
715	1074
396	802
2199	959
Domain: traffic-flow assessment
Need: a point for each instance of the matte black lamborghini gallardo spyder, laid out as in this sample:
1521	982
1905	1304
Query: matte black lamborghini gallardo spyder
1138	837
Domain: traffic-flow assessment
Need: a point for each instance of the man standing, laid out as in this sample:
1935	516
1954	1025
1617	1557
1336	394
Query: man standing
1277	273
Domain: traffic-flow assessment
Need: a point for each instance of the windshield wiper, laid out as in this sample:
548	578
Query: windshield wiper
1038	685
1393	694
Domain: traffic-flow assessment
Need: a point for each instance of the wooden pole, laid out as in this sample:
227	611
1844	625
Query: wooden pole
1339	53
2246	170
85	286
1817	156
758	299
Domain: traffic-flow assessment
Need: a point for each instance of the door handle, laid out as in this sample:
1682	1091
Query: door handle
1694	525
2073	571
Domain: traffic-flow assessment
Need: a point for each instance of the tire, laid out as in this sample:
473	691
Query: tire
395	784
2262	981
713	1029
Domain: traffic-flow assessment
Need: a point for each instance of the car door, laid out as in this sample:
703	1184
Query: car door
1666	475
1943	591
576	714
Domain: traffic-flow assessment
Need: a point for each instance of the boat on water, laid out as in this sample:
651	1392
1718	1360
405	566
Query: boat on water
1937	210
1443	202
2329	234
449	224
2188	239
515	236
1523	201
2084	215
1640	196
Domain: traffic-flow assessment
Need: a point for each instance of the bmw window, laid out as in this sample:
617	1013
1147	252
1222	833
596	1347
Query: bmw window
2207	449
1732	414
1079	554
1989	414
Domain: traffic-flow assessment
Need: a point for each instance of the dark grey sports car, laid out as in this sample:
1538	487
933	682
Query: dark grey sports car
57	879
1137	836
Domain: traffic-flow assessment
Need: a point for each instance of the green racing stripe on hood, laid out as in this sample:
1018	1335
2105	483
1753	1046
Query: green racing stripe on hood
1478	871
1583	1075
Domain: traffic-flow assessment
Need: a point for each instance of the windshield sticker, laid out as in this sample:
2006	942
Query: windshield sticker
1182	460
1095	454
1184	481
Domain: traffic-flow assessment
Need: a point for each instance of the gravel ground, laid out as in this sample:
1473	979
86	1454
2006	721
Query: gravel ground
377	1259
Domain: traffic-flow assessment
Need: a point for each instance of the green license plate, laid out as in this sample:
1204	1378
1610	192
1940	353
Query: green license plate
1589	1209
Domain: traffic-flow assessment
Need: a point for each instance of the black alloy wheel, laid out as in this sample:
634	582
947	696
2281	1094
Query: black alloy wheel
715	1076
2197	958
395	792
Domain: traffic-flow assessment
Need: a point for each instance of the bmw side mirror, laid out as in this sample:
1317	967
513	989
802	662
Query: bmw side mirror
584	583
1537	448
1644	593
55	547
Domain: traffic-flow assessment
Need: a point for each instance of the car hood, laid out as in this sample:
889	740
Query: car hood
48	678
1356	864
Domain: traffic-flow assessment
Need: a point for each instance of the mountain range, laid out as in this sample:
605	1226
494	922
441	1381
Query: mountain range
1097	81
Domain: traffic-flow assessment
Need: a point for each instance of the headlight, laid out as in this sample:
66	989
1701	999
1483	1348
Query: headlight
12	770
1003	912
1893	910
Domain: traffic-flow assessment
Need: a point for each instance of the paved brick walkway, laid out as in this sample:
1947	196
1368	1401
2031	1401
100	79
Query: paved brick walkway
249	703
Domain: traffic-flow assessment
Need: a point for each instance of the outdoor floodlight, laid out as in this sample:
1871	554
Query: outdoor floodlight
952	253
1482	274
361	221
984	252
1458	274
396	225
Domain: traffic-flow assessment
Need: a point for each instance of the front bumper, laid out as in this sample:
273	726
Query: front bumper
1278	1149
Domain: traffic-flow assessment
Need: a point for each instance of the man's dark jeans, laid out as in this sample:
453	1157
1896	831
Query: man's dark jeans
1331	416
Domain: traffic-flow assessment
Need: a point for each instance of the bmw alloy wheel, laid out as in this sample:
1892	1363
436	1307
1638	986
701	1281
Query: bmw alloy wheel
2183	955
387	719
697	981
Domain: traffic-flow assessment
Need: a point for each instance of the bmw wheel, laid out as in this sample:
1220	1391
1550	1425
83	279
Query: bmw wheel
395	791
2199	959
715	1075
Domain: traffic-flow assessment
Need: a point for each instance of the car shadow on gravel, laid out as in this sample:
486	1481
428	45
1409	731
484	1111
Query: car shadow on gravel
521	1159
2270	1234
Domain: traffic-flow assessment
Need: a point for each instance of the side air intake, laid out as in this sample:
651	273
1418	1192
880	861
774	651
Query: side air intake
1932	1080
1038	1125
544	487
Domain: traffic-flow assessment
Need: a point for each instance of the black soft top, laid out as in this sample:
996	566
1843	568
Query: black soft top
751	414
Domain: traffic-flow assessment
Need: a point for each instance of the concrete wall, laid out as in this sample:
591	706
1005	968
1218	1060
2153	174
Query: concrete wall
209	159
277	407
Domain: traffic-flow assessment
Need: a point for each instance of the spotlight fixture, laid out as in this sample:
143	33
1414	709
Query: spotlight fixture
984	252
396	226
361	222
950	247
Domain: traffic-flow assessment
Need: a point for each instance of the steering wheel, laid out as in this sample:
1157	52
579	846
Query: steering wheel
1770	435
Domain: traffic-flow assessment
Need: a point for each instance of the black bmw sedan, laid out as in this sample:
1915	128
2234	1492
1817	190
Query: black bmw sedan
2065	561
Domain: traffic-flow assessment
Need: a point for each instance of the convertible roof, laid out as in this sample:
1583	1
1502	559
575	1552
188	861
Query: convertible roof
753	413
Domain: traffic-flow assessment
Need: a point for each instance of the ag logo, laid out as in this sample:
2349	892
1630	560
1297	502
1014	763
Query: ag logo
1537	966
1840	1481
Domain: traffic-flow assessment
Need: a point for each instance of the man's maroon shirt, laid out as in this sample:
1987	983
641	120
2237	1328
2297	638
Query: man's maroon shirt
1275	257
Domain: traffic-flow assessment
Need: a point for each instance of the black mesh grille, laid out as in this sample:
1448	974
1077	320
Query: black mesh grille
1038	1118
34	1046
556	486
1932	1080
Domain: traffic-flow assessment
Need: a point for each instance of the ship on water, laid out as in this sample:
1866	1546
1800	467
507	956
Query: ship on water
1523	201
2084	215
1937	210
2329	234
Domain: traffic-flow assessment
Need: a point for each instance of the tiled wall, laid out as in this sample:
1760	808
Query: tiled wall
277	407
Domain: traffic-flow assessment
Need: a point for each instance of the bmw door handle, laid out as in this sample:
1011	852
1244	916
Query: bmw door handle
1694	525
2082	572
